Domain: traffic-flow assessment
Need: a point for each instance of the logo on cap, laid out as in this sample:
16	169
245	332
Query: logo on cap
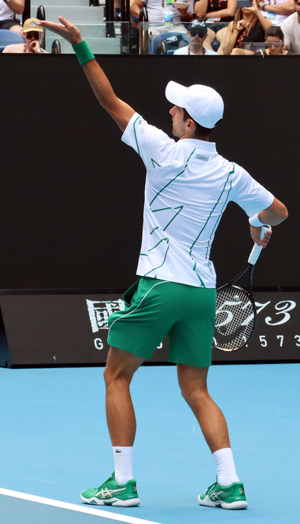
32	23
196	23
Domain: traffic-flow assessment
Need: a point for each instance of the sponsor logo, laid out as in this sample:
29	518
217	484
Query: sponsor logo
108	492
215	495
99	311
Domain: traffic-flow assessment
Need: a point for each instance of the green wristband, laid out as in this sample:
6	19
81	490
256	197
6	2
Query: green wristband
83	52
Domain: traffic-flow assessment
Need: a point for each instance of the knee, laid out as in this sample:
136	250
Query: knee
236	51
112	376
191	394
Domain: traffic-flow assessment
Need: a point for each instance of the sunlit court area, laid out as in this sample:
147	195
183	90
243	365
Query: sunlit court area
149	275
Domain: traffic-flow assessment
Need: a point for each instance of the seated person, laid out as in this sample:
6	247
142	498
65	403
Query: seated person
219	10
249	25
8	9
276	10
33	35
291	30
274	38
197	33
155	10
222	10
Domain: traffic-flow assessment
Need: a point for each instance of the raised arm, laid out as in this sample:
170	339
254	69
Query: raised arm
118	110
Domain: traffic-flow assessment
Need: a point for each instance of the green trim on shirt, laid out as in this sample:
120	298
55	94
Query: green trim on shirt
137	145
197	238
166	240
154	162
219	218
161	190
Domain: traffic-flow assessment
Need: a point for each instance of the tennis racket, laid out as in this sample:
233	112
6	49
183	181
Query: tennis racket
235	309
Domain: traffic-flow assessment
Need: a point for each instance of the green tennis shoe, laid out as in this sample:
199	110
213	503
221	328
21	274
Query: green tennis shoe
226	497
112	494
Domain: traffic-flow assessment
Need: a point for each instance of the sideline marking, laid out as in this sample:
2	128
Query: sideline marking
74	507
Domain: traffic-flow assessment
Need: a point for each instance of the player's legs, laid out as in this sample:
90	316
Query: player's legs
119	489
228	492
118	374
193	385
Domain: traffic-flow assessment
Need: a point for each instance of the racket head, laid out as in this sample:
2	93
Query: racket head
235	318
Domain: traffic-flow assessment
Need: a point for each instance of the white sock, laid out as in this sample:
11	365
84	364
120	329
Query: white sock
225	467
123	463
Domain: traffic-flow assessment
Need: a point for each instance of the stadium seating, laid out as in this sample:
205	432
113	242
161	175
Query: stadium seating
8	38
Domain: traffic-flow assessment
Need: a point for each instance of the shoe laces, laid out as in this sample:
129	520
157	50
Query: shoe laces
211	488
102	485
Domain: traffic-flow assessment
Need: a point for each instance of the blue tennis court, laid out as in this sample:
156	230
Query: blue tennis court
54	444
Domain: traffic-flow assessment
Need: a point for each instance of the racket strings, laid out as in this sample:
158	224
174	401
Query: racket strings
234	318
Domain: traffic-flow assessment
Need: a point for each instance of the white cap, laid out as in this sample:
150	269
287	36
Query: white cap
202	103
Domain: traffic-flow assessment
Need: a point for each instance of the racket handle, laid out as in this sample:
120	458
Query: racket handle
256	250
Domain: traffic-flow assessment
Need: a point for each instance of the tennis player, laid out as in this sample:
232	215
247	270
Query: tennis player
188	186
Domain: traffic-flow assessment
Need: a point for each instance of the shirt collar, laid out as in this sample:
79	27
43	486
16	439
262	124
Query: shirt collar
199	144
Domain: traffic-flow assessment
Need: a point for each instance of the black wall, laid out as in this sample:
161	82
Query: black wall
72	193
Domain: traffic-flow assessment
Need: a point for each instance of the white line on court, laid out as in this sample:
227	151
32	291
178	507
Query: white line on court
74	507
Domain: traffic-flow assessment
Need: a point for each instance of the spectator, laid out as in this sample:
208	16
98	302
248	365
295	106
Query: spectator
220	9
197	33
291	30
249	25
155	10
277	10
274	42
33	35
8	9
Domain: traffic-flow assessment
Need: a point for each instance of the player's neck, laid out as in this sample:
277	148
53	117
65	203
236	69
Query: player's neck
191	135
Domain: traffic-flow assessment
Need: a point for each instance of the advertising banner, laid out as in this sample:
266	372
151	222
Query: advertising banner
72	329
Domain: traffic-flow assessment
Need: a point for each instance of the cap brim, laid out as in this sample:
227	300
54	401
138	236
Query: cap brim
36	29
176	93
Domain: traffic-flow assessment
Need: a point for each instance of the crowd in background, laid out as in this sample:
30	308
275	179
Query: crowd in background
212	27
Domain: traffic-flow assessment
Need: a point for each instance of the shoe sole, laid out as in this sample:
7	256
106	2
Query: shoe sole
238	504
115	502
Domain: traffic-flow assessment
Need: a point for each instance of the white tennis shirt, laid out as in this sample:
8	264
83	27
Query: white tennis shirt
188	186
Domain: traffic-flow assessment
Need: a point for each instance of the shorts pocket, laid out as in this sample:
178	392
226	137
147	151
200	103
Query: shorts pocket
128	295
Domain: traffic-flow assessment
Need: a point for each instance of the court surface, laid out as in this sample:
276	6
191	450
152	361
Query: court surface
54	444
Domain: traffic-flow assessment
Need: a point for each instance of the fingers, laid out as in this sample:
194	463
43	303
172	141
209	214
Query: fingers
50	25
65	22
267	238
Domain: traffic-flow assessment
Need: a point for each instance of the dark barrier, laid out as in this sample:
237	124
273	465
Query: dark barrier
72	192
56	330
72	198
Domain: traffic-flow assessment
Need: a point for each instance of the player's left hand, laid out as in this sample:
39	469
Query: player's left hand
64	29
255	235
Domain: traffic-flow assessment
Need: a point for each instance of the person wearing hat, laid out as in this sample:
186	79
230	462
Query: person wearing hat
197	33
188	186
33	36
8	10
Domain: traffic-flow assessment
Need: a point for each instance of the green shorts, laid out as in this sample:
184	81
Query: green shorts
157	308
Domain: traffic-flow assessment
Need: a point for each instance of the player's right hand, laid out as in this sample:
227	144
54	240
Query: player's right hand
255	235
64	29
